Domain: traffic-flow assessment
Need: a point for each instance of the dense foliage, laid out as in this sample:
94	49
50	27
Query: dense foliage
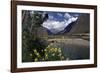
34	48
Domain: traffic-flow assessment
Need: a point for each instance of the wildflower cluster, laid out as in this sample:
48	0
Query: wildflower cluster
53	53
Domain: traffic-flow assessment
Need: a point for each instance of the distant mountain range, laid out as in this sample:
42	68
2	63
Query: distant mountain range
58	27
74	25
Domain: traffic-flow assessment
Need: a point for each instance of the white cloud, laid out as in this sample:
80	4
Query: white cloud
51	17
54	26
67	15
58	26
59	14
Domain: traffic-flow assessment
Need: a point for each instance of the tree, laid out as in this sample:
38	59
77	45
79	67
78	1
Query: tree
32	47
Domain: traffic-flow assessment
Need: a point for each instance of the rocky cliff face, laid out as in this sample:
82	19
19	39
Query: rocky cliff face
82	25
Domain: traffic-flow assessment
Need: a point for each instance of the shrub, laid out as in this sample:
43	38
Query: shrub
53	53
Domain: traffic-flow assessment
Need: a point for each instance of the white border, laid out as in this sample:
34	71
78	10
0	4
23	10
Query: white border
52	63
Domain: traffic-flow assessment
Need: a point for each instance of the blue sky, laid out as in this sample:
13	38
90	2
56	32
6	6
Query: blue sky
60	16
58	21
